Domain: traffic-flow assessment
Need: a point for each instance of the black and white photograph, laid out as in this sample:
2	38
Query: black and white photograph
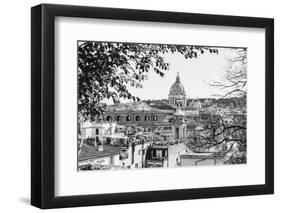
148	105
134	106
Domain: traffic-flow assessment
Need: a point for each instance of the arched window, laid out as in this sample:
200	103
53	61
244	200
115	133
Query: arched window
138	118
97	131
146	118
108	141
128	118
119	118
155	118
108	118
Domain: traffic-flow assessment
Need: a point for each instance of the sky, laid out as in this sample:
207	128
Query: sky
195	74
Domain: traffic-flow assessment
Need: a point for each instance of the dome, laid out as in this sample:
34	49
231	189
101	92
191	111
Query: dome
207	102
195	104
177	88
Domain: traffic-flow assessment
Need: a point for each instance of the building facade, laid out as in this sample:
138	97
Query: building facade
136	114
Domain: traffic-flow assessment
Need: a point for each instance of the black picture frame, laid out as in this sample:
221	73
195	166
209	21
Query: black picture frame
43	105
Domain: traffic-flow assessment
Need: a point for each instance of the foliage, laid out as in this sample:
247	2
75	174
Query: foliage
86	167
106	69
221	134
239	156
227	133
234	82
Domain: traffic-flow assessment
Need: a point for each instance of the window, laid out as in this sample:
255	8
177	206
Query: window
108	141
97	141
146	118
155	118
128	118
97	131
138	118
119	118
108	118
159	153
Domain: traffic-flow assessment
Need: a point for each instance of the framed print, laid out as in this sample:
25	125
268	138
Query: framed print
139	106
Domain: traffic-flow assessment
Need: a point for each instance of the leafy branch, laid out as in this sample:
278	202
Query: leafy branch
107	69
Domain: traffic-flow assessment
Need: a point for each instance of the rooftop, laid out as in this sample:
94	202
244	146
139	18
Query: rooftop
198	155
135	106
162	106
89	152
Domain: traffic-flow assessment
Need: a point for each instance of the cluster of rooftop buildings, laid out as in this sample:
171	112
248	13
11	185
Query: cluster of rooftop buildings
138	135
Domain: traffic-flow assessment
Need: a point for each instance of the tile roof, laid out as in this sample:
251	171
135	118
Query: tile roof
162	106
89	152
136	106
198	155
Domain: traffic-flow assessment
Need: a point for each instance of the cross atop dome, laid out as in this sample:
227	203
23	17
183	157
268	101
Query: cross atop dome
178	78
